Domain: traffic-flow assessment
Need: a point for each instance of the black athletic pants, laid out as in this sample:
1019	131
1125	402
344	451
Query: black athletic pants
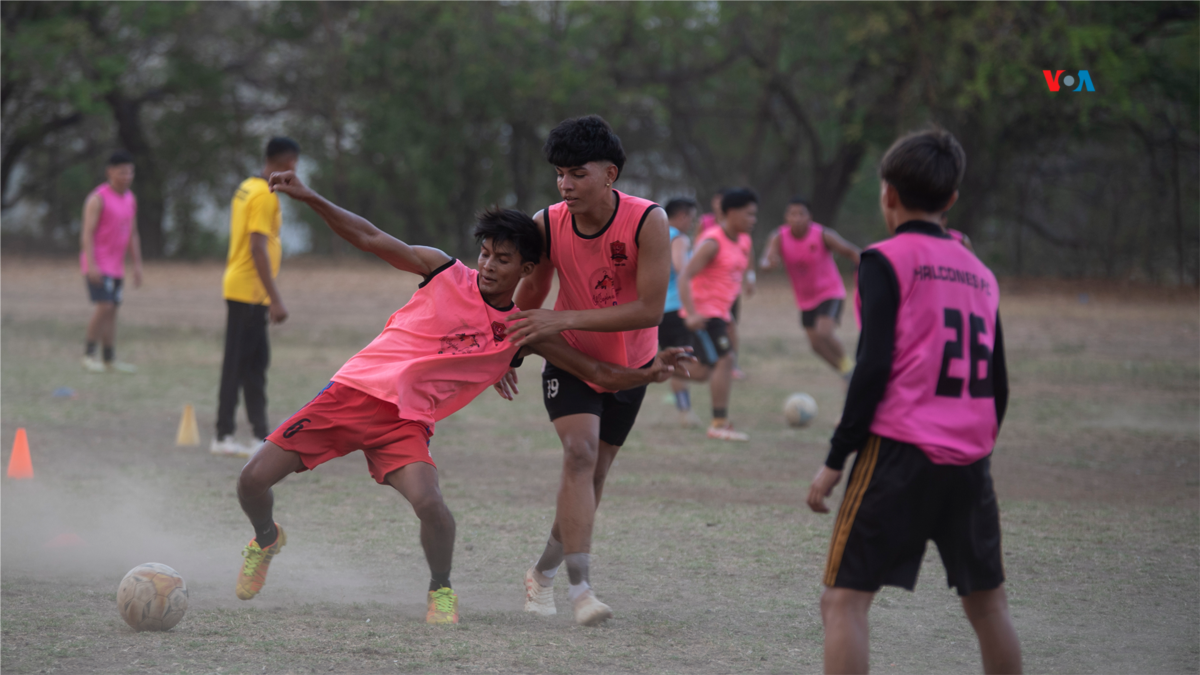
247	355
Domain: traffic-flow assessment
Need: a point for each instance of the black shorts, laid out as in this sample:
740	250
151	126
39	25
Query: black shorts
564	394
735	310
896	500
833	308
108	290
712	341
673	332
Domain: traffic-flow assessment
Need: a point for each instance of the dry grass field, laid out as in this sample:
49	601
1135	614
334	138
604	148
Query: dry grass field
705	550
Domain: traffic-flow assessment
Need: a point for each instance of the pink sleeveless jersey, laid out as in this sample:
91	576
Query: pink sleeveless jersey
716	286
939	396
809	264
437	352
113	230
601	271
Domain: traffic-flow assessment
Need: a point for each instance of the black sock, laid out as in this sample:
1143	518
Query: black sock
683	400
720	413
90	350
439	580
266	534
577	567
109	353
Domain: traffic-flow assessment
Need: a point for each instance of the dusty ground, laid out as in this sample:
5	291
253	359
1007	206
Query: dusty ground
704	550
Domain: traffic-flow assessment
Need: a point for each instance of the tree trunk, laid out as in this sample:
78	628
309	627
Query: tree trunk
831	182
148	185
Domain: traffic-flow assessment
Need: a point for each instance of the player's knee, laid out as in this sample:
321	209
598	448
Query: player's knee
430	506
981	605
253	480
579	455
841	602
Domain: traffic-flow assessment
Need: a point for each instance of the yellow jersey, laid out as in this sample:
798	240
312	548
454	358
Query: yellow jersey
255	209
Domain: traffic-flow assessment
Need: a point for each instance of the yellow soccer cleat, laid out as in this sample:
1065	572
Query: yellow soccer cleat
254	567
443	606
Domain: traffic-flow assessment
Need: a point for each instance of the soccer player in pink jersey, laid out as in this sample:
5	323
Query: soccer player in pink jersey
806	251
923	410
436	353
109	232
708	287
612	254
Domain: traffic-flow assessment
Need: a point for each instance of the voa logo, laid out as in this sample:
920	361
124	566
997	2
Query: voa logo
1084	79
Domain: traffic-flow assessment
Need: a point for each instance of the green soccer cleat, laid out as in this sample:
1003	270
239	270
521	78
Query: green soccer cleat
443	606
254	567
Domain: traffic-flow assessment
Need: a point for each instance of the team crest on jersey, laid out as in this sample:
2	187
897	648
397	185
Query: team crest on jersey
499	331
461	343
618	253
604	285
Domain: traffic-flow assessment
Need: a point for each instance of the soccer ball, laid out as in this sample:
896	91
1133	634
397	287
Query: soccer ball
152	597
799	409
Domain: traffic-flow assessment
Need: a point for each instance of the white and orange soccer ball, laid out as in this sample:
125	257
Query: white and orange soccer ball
799	409
152	596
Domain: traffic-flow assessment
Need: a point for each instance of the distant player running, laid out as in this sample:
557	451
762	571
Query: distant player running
436	353
672	332
806	250
612	254
708	287
923	411
109	232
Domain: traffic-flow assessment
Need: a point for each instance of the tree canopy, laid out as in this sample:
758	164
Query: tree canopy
417	115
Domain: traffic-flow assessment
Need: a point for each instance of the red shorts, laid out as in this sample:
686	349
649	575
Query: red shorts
342	419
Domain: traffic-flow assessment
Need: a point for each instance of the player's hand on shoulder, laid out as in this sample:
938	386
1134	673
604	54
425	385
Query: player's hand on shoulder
289	184
532	325
822	486
507	386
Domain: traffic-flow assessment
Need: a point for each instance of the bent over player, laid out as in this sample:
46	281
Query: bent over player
923	410
613	257
436	353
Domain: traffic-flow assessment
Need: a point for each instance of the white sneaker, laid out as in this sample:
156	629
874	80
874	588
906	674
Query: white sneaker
539	599
228	446
589	611
93	364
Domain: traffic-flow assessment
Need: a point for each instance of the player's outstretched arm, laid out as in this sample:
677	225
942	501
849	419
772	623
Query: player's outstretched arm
607	375
359	231
653	273
836	243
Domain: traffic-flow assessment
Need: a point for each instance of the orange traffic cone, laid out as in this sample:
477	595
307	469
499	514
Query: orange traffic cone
189	433
19	465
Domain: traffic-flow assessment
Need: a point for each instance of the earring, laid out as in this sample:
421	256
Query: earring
608	185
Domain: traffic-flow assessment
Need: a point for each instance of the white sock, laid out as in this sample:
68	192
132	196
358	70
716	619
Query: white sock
573	591
549	574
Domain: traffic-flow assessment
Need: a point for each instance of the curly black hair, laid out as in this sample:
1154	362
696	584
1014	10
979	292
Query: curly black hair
579	140
501	225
